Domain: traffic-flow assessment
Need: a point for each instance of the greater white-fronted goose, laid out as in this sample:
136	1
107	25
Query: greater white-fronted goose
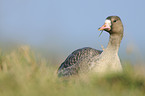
86	59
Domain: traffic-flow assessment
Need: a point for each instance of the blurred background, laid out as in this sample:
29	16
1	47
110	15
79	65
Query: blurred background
58	27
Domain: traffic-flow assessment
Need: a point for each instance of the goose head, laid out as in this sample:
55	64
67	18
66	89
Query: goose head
113	25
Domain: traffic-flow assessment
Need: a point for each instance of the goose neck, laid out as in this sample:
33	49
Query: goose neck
114	42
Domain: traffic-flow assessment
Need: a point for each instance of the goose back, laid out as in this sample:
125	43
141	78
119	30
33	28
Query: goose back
77	61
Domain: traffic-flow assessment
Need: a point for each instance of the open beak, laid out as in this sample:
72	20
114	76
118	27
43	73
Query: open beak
106	26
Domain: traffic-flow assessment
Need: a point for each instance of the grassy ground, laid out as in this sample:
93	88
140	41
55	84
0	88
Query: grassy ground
23	73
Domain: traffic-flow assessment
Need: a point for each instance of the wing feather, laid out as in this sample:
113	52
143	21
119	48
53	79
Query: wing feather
73	62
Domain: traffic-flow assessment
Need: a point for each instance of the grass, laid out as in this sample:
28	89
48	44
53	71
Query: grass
23	73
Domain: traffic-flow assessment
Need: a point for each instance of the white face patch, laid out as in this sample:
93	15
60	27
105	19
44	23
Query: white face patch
106	26
108	22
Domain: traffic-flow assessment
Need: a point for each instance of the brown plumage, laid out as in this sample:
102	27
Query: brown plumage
86	59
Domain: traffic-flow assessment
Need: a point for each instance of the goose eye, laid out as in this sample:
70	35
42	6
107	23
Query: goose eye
114	20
